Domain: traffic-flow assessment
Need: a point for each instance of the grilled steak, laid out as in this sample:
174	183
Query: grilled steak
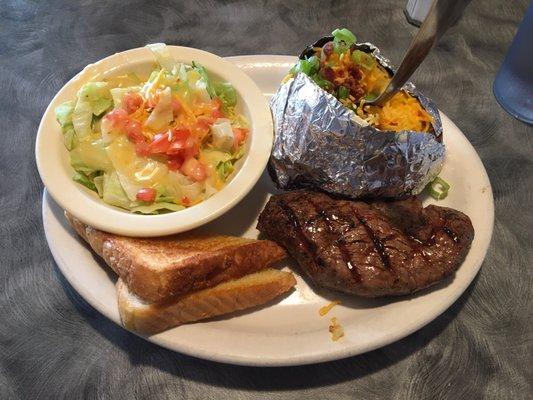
369	249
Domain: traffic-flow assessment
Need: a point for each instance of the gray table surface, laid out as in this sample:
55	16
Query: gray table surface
54	345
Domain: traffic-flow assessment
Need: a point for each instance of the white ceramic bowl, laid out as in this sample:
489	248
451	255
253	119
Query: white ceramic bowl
56	172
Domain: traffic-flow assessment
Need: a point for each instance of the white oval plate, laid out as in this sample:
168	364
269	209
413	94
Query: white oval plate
290	331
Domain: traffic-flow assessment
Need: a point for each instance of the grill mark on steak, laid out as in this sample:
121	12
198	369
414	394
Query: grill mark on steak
328	216
378	244
320	216
440	228
450	233
369	249
291	216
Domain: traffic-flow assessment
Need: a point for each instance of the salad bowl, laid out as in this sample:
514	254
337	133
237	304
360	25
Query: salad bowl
56	172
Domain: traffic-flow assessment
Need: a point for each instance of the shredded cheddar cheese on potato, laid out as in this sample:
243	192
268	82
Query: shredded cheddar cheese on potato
327	308
355	77
401	112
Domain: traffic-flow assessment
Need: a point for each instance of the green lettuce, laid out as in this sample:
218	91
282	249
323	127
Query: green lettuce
63	114
205	78
82	118
117	94
162	55
155	208
94	98
182	73
161	115
226	92
214	157
99	184
162	195
113	193
84	180
224	169
152	82
89	157
98	96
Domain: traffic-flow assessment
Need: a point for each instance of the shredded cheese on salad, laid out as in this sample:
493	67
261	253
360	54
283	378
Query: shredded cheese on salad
155	144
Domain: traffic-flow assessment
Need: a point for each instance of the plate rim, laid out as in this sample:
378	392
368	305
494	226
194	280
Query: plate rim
310	358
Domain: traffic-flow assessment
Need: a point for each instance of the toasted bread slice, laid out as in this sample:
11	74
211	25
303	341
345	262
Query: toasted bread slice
249	291
158	269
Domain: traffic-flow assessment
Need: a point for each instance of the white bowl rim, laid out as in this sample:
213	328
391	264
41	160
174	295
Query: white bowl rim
50	152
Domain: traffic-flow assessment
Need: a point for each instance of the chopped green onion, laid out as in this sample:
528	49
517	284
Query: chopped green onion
343	92
371	96
342	40
315	64
304	66
438	189
320	81
363	59
308	66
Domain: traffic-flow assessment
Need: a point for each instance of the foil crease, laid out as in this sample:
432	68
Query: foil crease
321	144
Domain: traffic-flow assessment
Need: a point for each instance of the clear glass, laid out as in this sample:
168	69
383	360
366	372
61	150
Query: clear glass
513	87
417	10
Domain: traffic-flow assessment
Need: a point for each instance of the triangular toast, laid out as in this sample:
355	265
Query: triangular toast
249	291
158	269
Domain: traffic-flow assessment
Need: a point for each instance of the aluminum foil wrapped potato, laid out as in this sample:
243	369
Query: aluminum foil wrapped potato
323	144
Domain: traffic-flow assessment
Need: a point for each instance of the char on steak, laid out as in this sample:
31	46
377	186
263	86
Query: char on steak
369	249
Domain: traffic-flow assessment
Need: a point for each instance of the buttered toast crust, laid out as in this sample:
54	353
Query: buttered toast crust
158	269
249	291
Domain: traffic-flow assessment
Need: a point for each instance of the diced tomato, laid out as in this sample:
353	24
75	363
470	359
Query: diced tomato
194	169
185	201
217	103
134	130
176	106
142	149
176	147
117	117
240	135
204	123
216	112
119	120
174	163
182	146
181	139
132	101
191	151
146	194
160	143
180	134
